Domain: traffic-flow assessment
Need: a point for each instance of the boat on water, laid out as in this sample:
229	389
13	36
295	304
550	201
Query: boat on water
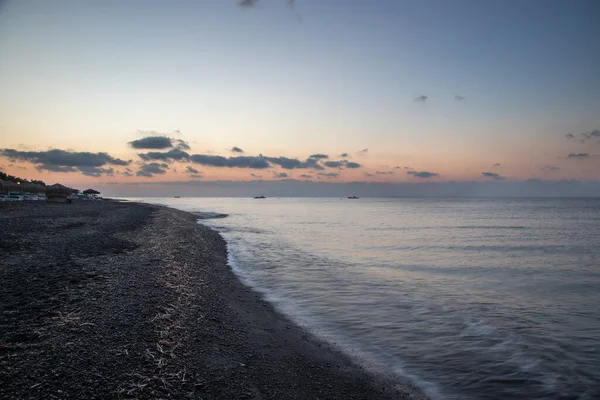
177	197
259	197
353	197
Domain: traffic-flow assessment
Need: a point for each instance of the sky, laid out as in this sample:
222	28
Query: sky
137	96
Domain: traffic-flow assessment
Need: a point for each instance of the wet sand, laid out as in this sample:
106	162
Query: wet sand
125	300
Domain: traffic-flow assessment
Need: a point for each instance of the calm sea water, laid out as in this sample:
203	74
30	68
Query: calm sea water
477	298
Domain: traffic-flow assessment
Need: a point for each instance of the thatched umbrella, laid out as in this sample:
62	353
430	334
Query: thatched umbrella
91	191
32	188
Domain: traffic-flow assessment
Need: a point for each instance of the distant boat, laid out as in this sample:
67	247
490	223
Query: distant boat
353	197
259	197
177	197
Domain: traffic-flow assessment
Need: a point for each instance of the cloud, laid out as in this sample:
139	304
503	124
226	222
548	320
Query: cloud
191	170
341	164
421	99
493	175
158	141
584	136
319	156
496	165
247	3
152	142
329	174
459	98
151	169
350	164
280	175
422	174
578	155
293	163
236	149
368	174
96	171
63	158
344	155
333	164
362	152
230	162
180	144
550	168
127	173
55	168
306	176
256	176
384	172
197	176
171	155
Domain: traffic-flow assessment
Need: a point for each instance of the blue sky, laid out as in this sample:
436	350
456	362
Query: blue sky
327	77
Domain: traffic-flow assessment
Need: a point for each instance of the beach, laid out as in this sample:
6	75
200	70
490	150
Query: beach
112	299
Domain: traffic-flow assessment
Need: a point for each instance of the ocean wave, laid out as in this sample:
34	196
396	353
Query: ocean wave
209	215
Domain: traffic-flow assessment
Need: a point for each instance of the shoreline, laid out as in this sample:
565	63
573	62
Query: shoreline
124	299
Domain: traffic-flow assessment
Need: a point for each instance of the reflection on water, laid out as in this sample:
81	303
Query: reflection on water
467	298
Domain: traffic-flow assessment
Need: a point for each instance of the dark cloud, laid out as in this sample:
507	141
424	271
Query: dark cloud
171	155
197	176
493	175
158	141
55	168
368	174
280	175
319	156
550	168
293	163
344	155
329	174
247	3
578	155
256	176
230	162
259	162
384	172
334	164
362	152
236	149
496	165
422	174
96	171
421	99
584	136
182	145
306	176
152	142
151	169
63	158
341	164
313	163
459	98
127	173
191	170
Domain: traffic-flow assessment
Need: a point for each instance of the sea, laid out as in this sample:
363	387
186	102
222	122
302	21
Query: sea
464	298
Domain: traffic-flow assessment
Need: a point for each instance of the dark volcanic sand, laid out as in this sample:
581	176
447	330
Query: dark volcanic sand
109	300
